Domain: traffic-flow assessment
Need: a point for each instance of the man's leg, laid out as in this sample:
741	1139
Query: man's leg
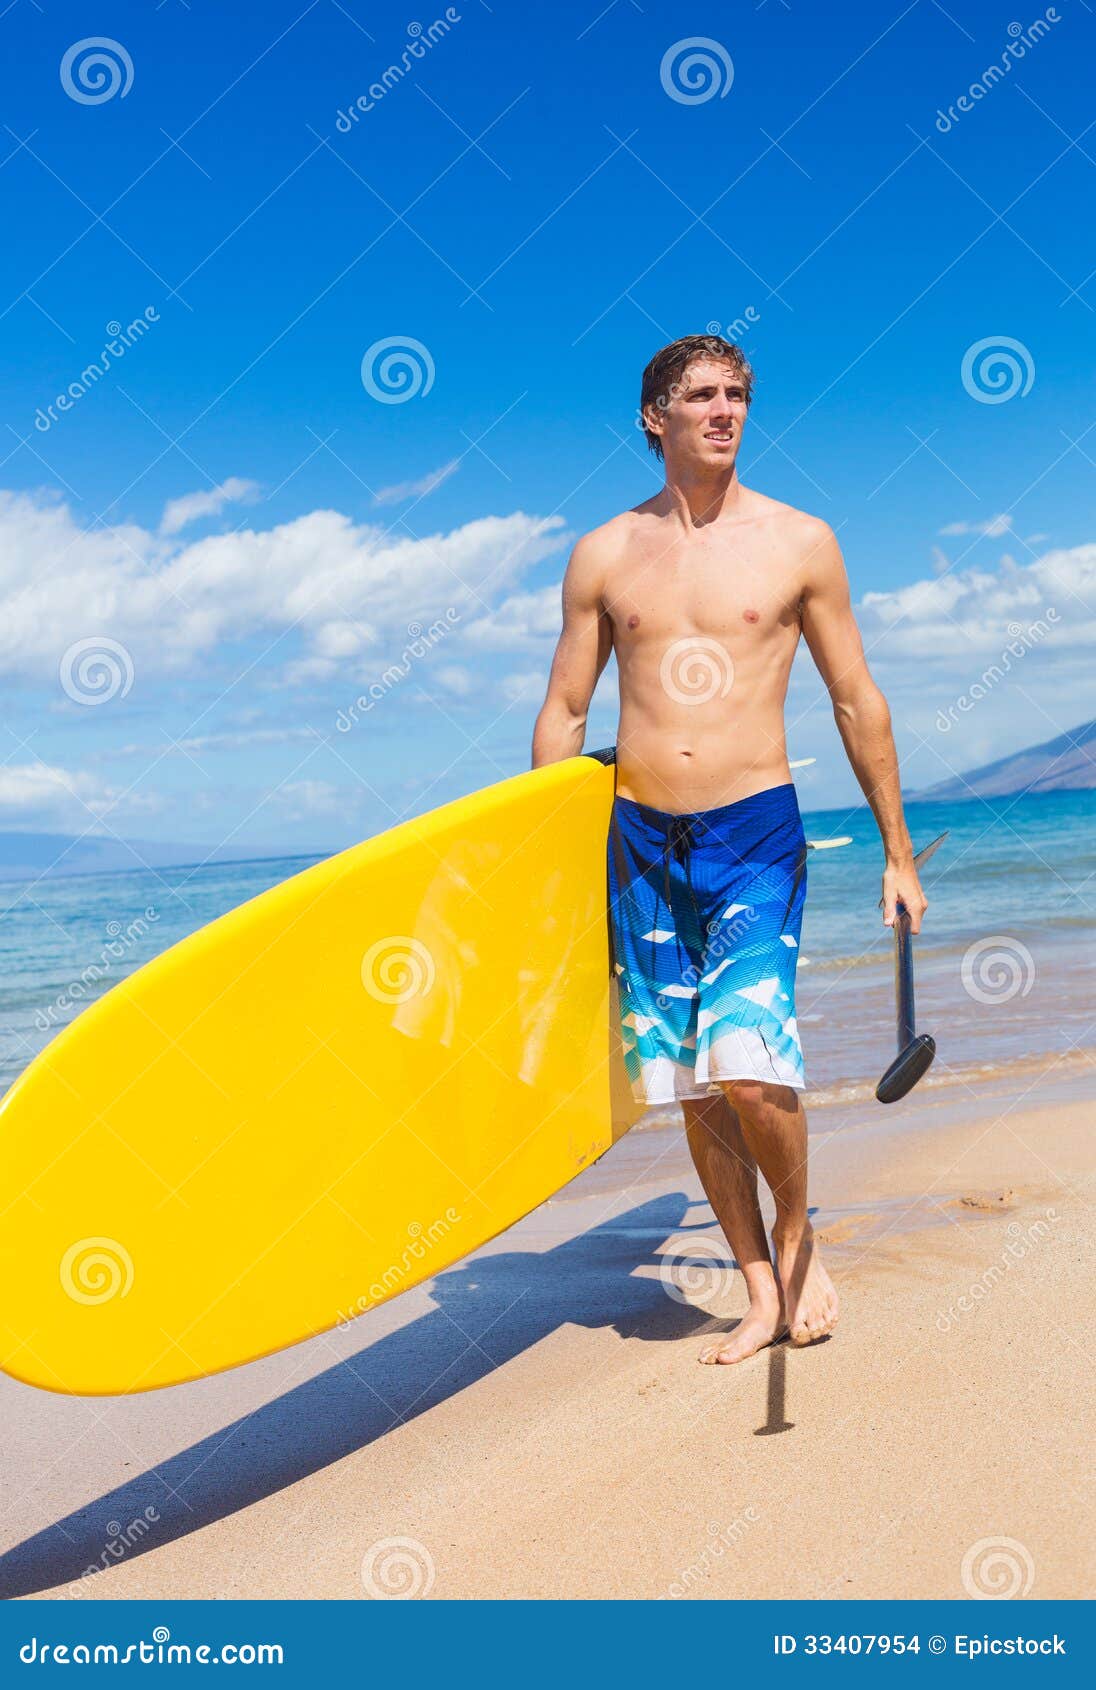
774	1128
728	1174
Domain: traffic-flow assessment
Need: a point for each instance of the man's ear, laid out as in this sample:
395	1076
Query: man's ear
654	418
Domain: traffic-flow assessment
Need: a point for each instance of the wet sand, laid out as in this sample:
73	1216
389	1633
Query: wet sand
534	1422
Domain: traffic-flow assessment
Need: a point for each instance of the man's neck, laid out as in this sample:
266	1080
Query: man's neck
699	500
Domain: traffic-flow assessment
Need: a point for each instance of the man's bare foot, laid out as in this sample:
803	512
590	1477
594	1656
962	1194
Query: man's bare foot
760	1326
809	1296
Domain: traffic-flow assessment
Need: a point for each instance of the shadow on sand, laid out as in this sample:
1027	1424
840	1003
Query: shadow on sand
488	1311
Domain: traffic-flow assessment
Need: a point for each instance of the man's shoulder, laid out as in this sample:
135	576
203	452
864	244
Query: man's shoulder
800	527
601	546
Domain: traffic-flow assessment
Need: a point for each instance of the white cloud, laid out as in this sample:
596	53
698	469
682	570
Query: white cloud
333	586
196	744
343	639
302	798
994	528
179	512
50	795
411	489
524	619
977	609
456	680
525	686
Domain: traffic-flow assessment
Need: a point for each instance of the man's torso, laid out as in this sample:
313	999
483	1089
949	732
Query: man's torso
705	627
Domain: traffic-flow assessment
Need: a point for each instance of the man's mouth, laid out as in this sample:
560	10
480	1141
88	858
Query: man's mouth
722	435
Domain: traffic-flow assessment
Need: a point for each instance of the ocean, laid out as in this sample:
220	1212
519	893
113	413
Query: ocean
1004	965
1004	962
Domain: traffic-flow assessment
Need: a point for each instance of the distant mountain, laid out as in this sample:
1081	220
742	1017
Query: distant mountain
1065	764
25	856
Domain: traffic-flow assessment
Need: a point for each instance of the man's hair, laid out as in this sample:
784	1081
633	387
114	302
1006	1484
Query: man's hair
664	377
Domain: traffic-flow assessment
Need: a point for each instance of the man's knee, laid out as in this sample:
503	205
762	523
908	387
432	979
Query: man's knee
747	1095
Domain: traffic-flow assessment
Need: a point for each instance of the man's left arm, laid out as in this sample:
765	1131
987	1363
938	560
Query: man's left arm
861	713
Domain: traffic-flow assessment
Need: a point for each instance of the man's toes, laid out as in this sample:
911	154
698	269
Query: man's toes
800	1335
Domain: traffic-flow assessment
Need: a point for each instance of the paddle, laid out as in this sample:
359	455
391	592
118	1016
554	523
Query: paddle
915	1050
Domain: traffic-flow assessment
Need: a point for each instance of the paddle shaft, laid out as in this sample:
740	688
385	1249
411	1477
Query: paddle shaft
903	975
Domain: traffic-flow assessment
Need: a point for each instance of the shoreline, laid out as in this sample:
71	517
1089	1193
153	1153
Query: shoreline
541	1428
980	1081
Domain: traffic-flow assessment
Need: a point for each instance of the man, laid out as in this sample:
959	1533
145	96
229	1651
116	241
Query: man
702	592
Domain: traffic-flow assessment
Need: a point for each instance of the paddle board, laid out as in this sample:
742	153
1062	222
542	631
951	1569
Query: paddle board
323	1098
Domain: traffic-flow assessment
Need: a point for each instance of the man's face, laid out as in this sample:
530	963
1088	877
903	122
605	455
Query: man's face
704	420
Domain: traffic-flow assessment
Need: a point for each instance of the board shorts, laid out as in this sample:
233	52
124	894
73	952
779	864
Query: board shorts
705	914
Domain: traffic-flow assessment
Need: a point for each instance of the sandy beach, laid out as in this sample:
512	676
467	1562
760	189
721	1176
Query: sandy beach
535	1424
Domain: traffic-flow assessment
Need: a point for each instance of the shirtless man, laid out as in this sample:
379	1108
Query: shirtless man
703	592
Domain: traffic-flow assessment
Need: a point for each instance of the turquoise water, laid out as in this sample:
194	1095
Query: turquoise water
1020	873
1005	956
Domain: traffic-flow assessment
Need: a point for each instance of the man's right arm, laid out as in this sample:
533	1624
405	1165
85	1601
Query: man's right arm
583	651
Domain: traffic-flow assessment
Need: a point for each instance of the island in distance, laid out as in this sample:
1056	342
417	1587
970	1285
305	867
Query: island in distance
1065	764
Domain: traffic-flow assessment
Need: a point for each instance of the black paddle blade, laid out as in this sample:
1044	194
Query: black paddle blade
906	1069
921	858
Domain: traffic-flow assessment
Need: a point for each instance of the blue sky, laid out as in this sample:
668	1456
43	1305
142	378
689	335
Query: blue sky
530	208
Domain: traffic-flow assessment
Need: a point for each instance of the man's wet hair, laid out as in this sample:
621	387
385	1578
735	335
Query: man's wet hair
664	377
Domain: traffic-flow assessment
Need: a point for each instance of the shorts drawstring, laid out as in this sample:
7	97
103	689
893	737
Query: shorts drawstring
680	840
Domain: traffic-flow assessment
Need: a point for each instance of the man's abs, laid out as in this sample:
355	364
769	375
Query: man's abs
683	770
704	638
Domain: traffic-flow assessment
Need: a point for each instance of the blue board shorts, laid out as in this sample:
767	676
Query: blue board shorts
705	914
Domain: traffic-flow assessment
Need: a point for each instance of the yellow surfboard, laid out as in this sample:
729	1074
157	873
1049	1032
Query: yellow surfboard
319	1100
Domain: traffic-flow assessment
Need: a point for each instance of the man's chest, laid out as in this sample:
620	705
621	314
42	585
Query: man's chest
734	594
